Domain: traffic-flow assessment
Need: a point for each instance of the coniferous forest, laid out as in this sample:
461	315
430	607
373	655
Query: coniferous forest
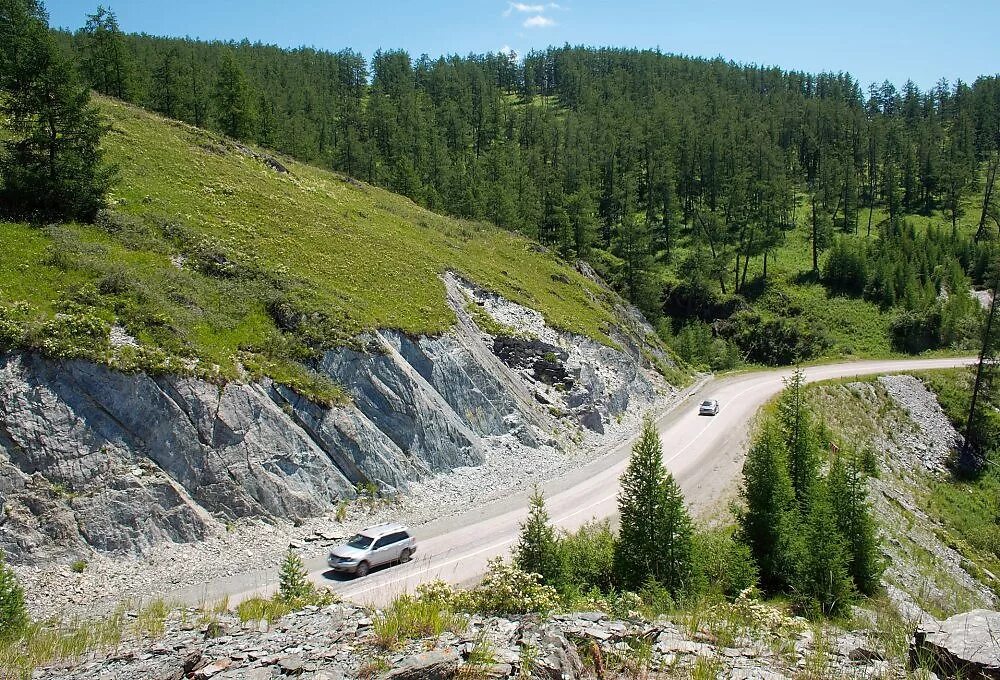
678	179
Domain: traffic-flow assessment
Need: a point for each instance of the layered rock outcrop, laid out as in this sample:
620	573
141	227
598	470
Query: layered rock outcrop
91	458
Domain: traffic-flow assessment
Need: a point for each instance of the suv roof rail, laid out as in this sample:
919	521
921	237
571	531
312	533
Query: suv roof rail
386	527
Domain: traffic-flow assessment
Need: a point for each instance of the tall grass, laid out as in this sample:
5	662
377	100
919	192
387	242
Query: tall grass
67	641
408	618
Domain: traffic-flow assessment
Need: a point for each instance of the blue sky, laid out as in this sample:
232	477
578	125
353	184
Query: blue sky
872	39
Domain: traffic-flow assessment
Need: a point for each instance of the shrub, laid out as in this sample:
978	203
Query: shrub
13	614
78	566
775	340
724	566
506	590
588	556
846	268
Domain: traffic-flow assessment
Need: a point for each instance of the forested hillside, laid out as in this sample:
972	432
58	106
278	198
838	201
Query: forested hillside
690	184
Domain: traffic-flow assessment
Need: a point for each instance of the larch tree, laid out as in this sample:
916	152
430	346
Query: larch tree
52	164
655	539
107	62
537	550
234	101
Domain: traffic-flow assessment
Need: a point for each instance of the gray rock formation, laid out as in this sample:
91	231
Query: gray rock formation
340	641
95	459
965	645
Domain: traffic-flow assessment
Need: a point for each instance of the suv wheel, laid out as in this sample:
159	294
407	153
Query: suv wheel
362	570
405	555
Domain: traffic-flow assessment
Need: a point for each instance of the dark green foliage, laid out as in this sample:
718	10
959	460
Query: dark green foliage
774	340
655	539
106	60
293	581
587	557
696	344
824	581
234	100
801	439
13	613
847	492
537	551
769	519
51	161
846	267
723	565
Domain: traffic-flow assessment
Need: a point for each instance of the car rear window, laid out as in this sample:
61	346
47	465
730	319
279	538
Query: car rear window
360	541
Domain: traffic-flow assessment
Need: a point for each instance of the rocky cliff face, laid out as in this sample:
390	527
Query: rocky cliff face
95	459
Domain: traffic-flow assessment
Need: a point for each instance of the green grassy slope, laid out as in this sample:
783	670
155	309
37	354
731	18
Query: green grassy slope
214	261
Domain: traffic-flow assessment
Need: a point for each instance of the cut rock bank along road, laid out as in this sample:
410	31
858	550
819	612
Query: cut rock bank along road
705	454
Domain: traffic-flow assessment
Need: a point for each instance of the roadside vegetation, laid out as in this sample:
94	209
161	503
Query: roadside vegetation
27	644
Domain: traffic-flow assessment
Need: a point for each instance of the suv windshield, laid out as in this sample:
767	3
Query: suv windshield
360	541
707	402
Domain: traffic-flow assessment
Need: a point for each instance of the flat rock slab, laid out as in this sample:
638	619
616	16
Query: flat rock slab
436	665
966	644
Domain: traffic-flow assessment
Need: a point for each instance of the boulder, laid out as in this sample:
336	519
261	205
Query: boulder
965	645
435	665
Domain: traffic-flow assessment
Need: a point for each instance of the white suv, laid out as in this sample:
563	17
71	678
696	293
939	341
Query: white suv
373	547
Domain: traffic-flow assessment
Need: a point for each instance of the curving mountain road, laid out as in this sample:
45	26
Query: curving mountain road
705	455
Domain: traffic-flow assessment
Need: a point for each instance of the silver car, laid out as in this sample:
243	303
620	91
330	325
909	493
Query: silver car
709	407
373	547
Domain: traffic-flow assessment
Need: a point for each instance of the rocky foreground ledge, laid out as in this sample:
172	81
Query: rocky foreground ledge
752	641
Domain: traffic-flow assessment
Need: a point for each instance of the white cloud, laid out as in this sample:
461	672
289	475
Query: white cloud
523	8
507	49
539	21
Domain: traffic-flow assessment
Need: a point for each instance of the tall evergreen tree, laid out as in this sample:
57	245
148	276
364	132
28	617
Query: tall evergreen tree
824	579
52	165
800	437
655	539
847	490
769	517
234	102
107	63
537	550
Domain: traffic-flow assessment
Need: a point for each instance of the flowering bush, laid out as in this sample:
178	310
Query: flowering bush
506	590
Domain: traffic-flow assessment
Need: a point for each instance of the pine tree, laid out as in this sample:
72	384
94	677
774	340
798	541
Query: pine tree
655	537
234	102
800	437
168	85
537	551
769	517
13	614
847	493
51	162
824	580
106	61
678	538
293	580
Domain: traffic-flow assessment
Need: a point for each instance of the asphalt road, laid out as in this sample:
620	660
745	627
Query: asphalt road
704	453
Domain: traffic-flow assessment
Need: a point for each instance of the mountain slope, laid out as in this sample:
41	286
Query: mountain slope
214	250
244	338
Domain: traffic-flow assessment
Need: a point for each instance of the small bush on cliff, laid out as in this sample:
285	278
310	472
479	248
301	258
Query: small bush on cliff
293	580
13	613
